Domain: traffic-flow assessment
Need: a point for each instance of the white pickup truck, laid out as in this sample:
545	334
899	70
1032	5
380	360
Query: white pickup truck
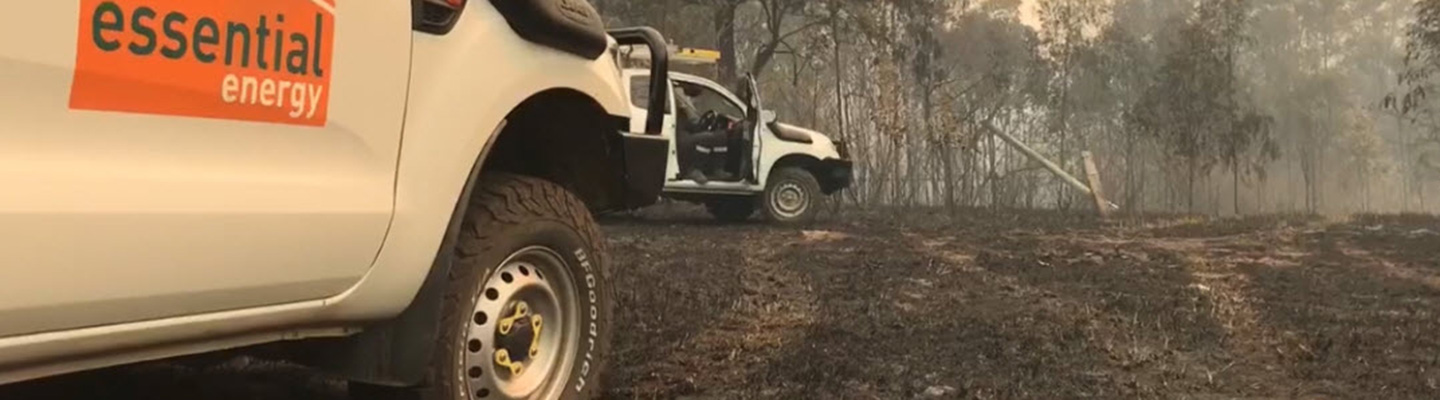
406	185
783	171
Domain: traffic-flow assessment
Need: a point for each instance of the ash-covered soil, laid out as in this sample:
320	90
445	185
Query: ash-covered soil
989	305
975	305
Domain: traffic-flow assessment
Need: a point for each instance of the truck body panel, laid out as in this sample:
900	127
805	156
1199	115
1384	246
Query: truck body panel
141	235
118	215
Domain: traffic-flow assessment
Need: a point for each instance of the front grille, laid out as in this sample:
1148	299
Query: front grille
842	148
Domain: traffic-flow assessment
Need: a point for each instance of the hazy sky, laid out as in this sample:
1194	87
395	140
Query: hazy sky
1027	13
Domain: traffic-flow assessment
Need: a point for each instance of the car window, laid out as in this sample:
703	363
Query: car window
640	92
707	99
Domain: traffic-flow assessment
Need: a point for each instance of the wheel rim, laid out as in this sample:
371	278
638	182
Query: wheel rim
789	200
524	330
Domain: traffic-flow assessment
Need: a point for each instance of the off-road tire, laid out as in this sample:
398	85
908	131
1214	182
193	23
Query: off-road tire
732	210
789	181
508	215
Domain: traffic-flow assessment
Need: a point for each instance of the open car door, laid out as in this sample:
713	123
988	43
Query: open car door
754	122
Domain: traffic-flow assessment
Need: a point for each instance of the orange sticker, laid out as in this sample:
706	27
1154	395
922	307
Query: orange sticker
250	60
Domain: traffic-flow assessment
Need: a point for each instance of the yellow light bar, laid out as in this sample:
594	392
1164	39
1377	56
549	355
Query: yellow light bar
698	55
678	55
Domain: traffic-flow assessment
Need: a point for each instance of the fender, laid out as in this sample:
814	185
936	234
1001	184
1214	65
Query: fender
455	107
447	139
396	352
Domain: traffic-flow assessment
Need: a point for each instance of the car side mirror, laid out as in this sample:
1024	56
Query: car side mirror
768	117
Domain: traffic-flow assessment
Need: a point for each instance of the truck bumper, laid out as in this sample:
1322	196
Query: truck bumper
835	175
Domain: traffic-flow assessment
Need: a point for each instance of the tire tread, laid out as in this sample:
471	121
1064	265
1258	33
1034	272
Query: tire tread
500	201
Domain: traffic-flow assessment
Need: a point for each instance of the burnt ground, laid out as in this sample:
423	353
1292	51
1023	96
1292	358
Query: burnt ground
907	305
979	305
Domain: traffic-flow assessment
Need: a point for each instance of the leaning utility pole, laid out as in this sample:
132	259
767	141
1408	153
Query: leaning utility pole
1054	168
1097	190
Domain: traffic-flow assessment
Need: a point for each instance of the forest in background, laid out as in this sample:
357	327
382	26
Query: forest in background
1220	107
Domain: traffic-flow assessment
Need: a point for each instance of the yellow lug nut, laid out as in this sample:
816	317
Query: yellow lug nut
508	323
538	323
502	358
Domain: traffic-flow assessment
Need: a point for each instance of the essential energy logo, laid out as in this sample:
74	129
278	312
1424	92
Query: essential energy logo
253	60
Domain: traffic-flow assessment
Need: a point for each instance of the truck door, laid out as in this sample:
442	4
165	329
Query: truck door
755	118
639	82
163	158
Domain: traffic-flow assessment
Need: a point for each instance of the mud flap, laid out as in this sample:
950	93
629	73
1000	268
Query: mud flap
646	158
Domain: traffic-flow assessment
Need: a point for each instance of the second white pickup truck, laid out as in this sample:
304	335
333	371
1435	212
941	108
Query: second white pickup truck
783	171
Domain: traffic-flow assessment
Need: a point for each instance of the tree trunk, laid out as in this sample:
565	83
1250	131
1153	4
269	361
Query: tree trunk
839	66
1260	195
1235	169
993	175
1407	163
725	40
1063	197
1366	184
1424	205
1307	170
1142	183
1131	194
1190	182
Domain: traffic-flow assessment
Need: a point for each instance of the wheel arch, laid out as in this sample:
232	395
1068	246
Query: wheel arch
561	135
800	160
803	161
823	171
566	137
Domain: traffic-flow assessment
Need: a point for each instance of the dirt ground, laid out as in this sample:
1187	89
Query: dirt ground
977	305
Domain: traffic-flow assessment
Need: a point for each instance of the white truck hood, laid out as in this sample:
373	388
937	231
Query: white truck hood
798	134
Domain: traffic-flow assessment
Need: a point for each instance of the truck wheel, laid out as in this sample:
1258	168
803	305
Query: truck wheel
732	209
792	196
527	309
